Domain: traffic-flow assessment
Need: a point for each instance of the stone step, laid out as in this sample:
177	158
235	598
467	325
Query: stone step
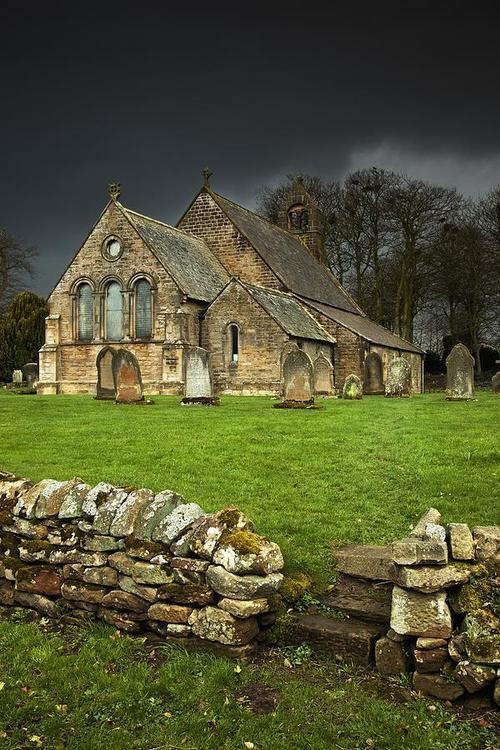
364	561
361	599
349	640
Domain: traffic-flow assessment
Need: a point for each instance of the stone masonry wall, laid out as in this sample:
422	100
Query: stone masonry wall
137	560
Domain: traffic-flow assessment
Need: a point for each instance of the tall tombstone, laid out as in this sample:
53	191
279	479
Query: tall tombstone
323	376
495	382
297	377
459	374
398	384
127	377
353	388
105	381
30	373
373	384
198	380
17	377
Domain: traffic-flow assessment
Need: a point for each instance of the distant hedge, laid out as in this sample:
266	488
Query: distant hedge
22	330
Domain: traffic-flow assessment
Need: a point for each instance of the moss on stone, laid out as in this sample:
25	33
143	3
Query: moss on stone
152	548
281	631
7	503
229	516
37	545
294	586
6	518
13	563
185	593
244	542
479	598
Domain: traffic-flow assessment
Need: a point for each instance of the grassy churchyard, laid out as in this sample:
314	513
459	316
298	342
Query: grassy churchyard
349	472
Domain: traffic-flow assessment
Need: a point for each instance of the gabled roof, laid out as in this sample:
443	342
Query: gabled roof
365	327
292	263
285	310
194	268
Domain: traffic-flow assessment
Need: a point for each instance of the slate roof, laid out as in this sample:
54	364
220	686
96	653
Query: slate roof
289	314
365	327
192	265
298	270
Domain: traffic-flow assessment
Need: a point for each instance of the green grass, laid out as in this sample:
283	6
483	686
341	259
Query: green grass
352	471
108	692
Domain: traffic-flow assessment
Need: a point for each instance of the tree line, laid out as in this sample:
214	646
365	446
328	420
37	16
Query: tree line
420	259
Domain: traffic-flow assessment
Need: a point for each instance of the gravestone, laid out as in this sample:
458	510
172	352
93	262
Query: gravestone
17	377
297	377
353	388
30	373
398	383
127	377
198	379
105	380
323	376
374	376
495	382
459	374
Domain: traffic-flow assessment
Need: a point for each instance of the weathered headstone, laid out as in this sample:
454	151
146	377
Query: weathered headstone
459	374
353	388
30	373
198	381
323	376
127	377
17	377
105	381
398	382
374	376
495	382
297	377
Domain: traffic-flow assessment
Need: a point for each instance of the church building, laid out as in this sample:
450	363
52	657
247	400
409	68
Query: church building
225	279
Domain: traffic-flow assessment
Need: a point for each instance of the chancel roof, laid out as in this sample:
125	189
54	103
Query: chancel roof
194	268
294	265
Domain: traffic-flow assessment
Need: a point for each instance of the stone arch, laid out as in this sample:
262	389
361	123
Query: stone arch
322	376
373	382
105	381
297	381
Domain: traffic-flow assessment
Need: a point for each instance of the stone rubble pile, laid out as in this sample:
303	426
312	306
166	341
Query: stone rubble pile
139	561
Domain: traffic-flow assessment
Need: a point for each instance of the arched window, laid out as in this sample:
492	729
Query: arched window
234	342
114	312
85	325
143	309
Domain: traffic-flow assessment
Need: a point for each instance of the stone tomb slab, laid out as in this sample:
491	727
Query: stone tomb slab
297	377
459	374
398	383
105	381
127	377
374	376
323	376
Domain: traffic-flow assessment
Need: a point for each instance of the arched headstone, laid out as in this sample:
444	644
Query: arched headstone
459	374
127	377
398	378
323	376
30	373
495	382
197	374
373	384
297	377
17	377
105	380
353	388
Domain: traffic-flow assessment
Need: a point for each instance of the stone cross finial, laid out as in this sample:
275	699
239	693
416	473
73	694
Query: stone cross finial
207	173
114	189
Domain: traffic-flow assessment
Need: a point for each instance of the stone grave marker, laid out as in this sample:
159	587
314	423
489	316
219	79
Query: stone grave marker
353	388
198	378
105	381
459	374
374	375
297	377
30	373
17	377
495	382
398	383
323	376
127	377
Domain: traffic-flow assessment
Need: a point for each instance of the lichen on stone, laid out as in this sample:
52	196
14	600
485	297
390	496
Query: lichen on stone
244	542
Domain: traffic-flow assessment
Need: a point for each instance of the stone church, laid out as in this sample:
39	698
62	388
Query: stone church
225	279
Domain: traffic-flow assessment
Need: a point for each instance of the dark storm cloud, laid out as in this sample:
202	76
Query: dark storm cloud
149	93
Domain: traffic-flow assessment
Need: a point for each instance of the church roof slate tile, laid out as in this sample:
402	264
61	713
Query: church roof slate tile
193	266
298	270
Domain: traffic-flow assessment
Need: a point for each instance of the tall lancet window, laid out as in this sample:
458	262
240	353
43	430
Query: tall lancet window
114	312
234	342
85	327
143	309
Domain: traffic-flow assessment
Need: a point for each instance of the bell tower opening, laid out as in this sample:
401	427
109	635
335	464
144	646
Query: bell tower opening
301	216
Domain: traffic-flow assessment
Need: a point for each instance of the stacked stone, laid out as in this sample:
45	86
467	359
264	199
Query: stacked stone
454	648
138	560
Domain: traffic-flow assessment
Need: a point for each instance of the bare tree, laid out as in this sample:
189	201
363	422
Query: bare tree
15	266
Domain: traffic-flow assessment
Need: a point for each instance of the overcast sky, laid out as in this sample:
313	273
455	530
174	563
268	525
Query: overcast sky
149	93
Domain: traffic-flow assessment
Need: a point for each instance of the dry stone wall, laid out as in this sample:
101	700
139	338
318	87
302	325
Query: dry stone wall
140	561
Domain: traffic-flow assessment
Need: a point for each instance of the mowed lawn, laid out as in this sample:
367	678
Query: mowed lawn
351	471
